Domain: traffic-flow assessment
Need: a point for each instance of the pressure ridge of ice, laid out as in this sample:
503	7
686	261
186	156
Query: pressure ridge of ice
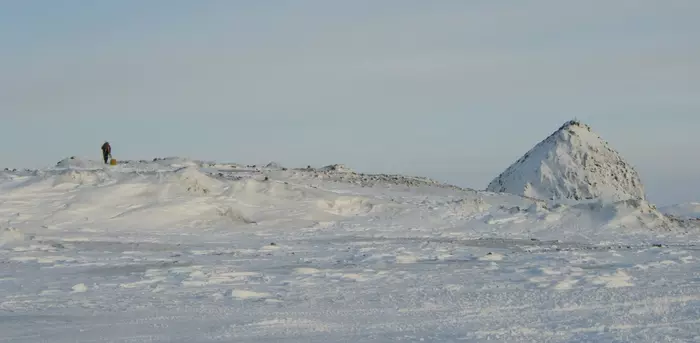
573	164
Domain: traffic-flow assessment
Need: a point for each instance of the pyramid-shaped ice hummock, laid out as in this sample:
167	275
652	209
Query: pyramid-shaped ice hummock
571	165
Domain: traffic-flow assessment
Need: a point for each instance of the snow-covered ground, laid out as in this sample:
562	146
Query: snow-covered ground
174	250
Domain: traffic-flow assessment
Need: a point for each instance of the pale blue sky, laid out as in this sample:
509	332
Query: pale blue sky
455	90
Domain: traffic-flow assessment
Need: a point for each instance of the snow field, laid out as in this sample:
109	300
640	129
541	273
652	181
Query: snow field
180	251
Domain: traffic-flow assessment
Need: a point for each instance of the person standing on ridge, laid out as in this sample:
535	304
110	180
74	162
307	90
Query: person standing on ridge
106	152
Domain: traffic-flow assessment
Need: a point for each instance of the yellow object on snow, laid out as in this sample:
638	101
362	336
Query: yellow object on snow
113	162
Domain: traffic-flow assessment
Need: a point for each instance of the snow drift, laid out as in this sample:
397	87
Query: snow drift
192	180
180	193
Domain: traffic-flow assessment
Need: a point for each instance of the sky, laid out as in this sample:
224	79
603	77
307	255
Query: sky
454	90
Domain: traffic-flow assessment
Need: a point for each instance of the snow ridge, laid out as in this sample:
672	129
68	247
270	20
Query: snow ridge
572	165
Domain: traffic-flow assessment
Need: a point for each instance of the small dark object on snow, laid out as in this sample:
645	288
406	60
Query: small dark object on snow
267	178
273	243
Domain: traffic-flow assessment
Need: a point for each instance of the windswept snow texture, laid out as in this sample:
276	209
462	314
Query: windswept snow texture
176	250
571	165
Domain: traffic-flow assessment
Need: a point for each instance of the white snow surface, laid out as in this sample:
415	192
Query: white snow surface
572	165
177	250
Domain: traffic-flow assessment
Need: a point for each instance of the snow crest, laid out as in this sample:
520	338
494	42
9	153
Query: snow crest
572	165
79	163
193	180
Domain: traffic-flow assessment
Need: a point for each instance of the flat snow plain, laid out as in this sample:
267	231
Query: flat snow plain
177	251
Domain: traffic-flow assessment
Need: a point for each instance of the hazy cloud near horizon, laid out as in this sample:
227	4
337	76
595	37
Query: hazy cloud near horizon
454	90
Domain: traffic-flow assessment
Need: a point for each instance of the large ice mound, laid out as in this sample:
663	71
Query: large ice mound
572	165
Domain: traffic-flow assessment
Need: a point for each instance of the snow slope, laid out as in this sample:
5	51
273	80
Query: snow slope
572	165
178	250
